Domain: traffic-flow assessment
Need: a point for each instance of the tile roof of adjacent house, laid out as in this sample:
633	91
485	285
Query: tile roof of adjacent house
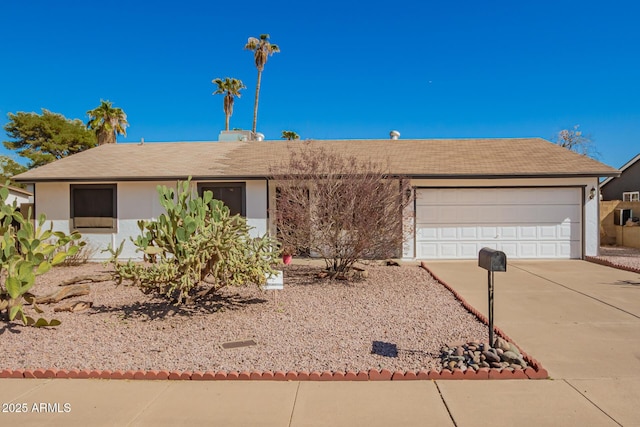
508	157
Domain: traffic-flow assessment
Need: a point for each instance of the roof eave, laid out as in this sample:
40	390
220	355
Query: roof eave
264	177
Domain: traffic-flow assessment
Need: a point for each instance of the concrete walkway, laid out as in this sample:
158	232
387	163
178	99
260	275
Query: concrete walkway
580	320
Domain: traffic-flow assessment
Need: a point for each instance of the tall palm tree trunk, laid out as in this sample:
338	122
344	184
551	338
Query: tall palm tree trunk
255	106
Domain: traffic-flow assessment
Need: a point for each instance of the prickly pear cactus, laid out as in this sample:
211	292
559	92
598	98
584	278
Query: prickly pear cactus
196	243
26	251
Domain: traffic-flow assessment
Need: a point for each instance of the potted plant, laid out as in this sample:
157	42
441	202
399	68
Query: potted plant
287	254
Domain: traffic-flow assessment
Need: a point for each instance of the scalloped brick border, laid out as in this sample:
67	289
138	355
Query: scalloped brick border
535	370
607	263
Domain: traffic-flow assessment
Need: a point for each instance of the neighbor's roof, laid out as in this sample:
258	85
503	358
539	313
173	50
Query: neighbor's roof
622	169
17	190
427	158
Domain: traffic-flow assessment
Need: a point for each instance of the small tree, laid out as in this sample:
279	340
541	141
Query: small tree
43	138
290	135
575	140
10	168
28	250
340	207
196	242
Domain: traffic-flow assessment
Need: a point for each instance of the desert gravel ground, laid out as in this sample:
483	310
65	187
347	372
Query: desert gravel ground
621	256
397	318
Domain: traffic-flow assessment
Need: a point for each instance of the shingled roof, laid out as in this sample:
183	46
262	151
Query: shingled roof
424	158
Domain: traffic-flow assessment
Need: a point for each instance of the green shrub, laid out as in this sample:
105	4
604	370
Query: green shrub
196	242
28	250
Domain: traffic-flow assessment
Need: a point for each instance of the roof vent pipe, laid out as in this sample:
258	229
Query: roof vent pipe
259	136
394	134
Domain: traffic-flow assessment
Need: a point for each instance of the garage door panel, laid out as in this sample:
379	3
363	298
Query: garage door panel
468	233
427	250
488	232
510	249
430	213
468	250
527	249
448	250
522	222
547	232
425	232
448	233
527	232
510	233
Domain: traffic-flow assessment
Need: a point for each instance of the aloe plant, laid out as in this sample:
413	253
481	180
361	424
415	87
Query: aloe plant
28	250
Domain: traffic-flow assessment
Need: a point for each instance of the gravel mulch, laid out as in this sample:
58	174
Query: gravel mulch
619	257
397	318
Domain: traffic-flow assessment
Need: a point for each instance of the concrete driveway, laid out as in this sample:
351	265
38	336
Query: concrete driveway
580	320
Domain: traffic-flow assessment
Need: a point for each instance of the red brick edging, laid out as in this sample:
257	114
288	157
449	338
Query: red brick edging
535	370
611	264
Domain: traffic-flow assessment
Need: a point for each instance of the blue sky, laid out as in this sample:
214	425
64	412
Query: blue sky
347	69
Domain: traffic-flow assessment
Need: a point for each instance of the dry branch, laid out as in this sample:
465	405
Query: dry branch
88	278
66	292
74	307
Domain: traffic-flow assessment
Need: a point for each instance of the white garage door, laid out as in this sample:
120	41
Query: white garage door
521	222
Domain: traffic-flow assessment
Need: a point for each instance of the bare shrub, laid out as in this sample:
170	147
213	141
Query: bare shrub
85	253
339	207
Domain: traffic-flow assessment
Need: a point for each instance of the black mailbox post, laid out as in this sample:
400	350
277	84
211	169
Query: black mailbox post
491	260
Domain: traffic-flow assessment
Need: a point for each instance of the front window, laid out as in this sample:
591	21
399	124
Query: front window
93	207
232	194
631	196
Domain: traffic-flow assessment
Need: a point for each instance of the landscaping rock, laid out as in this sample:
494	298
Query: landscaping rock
490	356
502	344
474	355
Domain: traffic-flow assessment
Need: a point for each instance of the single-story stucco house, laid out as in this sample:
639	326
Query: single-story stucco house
626	187
525	196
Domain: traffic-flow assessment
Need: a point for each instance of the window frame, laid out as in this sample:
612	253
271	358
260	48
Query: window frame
631	195
114	215
203	186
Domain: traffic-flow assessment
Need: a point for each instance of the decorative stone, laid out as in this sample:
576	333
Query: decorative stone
491	357
509	356
502	344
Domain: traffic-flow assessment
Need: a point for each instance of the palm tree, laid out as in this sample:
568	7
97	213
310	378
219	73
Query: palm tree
290	135
107	122
262	49
231	88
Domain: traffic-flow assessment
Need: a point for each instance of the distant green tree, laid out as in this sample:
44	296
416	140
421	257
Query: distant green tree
290	135
43	138
262	49
10	168
107	122
230	88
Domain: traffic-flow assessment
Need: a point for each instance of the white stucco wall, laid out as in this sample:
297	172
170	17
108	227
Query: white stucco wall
19	198
139	200
590	218
136	201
